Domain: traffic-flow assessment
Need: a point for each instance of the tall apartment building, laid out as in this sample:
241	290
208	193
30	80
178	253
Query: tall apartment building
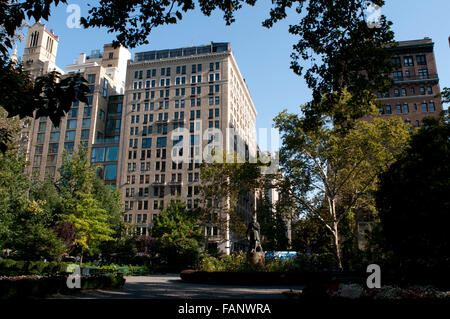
412	96
189	94
416	83
85	123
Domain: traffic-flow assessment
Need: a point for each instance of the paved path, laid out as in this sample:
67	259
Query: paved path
170	286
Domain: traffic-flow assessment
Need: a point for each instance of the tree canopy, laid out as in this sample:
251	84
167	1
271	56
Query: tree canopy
344	51
332	170
178	235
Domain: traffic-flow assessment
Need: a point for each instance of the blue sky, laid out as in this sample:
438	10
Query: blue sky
263	55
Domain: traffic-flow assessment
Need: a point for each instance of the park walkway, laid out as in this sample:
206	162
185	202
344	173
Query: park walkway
170	286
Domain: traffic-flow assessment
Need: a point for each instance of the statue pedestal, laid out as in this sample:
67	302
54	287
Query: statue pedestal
256	258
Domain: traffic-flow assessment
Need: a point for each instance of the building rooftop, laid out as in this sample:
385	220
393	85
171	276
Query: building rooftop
415	42
425	44
182	52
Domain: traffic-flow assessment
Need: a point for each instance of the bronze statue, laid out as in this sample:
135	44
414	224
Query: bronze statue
253	236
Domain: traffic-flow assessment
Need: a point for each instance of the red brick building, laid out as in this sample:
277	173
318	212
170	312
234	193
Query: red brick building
416	83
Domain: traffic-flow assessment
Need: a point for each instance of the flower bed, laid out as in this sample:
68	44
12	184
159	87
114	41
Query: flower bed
360	292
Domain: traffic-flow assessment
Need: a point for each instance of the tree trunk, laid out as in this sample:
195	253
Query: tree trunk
332	204
338	246
81	259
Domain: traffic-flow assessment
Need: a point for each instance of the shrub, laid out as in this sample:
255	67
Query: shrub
237	262
38	286
9	267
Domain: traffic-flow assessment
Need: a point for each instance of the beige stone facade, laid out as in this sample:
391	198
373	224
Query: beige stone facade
197	93
85	123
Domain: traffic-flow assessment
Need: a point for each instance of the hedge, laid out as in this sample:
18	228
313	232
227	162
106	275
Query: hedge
9	267
38	287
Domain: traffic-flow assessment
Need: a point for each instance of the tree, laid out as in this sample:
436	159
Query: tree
92	207
223	185
25	225
309	237
334	32
273	226
90	222
178	235
13	182
33	235
414	205
333	169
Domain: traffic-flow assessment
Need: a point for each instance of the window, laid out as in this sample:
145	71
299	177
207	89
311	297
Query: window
398	75
217	100
423	74
98	154
110	172
54	137
424	107
421	60
396	61
40	138
91	78
112	154
43	125
52	148
84	134
413	91
396	92
51	159
388	109
408	61
88	111
429	90
432	108
422	91
71	124
405	109
161	142
86	123
146	142
69	146
73	113
403	92
70	136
